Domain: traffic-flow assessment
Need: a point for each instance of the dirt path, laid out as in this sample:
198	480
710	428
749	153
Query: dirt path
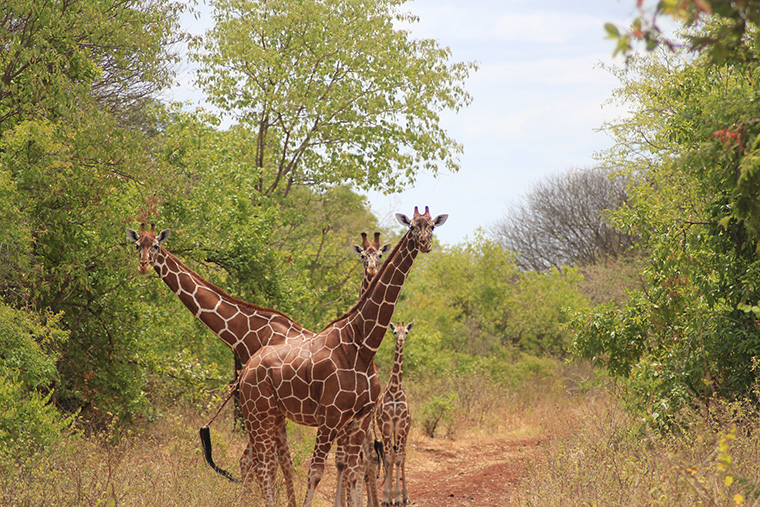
460	473
466	473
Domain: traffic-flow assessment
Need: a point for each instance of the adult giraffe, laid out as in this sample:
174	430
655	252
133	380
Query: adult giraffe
325	381
371	254
243	326
394	420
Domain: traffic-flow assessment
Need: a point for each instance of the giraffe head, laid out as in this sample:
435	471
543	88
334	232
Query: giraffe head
401	330
371	252
421	226
148	245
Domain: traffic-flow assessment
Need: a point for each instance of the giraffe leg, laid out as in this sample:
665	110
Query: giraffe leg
401	469
397	459
370	471
325	437
263	466
357	430
246	465
340	464
390	458
286	463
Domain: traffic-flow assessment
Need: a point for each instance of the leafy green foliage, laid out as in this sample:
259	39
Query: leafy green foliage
687	336
28	355
728	30
479	303
331	92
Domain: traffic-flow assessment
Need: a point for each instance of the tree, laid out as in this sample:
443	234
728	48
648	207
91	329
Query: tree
331	92
690	335
564	221
726	29
77	87
59	57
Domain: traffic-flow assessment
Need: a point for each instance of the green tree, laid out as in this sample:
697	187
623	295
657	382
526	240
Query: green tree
331	92
690	334
727	29
77	85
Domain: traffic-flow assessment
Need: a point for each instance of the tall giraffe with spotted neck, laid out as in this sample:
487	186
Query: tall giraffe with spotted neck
325	382
394	421
243	326
371	254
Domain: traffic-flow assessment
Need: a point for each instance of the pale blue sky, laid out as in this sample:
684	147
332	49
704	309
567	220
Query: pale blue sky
539	96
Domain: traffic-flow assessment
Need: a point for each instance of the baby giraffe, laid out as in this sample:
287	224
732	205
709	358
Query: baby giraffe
394	420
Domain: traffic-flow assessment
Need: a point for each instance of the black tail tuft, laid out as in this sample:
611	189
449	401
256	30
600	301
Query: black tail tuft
206	444
379	452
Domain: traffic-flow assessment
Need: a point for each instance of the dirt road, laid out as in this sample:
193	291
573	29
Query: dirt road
444	473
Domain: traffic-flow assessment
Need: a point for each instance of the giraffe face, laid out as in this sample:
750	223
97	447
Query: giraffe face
148	245
421	227
371	253
401	330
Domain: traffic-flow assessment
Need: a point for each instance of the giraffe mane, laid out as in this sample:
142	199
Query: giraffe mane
245	304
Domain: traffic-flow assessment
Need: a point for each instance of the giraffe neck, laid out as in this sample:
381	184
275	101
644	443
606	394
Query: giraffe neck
244	327
398	364
366	280
365	324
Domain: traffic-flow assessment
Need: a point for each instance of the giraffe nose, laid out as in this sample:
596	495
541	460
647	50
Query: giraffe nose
144	267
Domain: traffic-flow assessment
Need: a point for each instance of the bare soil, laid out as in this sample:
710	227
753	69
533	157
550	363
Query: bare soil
467	473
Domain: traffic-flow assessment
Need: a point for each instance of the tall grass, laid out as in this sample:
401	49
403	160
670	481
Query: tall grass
608	459
592	451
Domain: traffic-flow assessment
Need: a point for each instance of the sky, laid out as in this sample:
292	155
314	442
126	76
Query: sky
539	99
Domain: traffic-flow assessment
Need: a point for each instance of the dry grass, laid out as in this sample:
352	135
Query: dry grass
591	454
604	458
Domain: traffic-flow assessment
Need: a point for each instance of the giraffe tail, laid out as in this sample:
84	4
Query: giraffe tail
206	444
379	452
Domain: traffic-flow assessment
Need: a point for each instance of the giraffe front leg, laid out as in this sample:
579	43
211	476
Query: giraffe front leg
398	460
325	436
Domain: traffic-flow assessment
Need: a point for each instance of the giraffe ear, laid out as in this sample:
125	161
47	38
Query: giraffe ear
358	249
392	327
409	327
403	219
132	236
440	220
163	236
385	248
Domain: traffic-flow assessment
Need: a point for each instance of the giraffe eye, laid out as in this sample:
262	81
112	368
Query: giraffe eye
137	246
155	247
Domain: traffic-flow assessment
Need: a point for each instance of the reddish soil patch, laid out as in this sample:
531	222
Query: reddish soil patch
466	473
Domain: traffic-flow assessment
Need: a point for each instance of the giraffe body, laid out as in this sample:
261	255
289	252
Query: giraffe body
394	421
326	381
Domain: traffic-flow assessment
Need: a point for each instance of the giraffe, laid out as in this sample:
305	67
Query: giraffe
325	381
394	420
243	326
371	253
